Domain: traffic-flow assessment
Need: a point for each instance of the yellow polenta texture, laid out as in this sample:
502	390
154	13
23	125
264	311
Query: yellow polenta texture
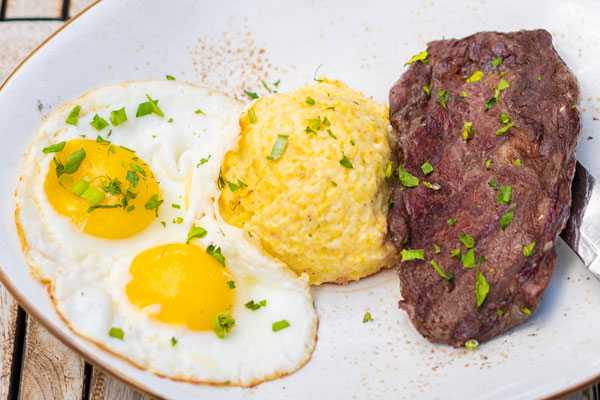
309	211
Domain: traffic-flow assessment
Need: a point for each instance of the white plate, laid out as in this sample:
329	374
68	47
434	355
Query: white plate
233	45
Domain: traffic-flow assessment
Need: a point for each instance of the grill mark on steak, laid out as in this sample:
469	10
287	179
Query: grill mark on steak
544	138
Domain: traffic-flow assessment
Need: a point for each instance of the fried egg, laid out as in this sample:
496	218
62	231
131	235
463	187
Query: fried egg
117	209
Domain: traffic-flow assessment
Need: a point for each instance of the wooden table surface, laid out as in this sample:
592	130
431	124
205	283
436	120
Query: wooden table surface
34	364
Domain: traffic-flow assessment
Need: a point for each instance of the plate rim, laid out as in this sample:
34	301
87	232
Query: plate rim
90	357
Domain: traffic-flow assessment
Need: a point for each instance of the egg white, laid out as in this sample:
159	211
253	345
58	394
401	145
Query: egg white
87	275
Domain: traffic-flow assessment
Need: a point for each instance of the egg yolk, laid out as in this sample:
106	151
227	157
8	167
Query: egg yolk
123	195
189	285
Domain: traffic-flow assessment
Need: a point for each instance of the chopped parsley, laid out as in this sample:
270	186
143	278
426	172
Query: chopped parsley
406	178
333	184
367	317
279	325
101	140
505	194
251	305
493	184
426	90
526	310
345	162
482	288
466	240
436	248
504	118
231	284
73	117
326	122
433	186
528	249
99	123
455	253
199	111
443	98
503	84
216	253
499	312
487	163
116	333
471	344
233	186
265	86
153	203
451	221
506	219
203	161
517	162
54	148
504	129
467	130
252	116
222	323
468	259
132	177
491	102
175	205
196	232
278	147
173	340
421	57
331	134
441	271
389	170
117	117
497	62
409	255
310	101
427	168
477	75
71	164
252	95
170	78
539	77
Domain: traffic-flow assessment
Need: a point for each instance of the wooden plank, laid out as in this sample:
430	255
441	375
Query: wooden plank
105	387
19	39
34	8
8	322
50	370
75	6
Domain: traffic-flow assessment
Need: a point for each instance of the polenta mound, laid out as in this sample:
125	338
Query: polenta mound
320	206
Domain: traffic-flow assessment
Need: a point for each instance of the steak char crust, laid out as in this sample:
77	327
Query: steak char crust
542	101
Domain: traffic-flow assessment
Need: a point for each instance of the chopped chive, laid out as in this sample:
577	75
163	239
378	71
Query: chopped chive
252	95
99	123
222	323
505	194
310	101
279	325
389	170
504	129
441	272
426	90
73	117
451	221
466	240
252	116
265	86
117	117
278	147
116	333
409	255
367	317
406	178
528	249
345	162
443	98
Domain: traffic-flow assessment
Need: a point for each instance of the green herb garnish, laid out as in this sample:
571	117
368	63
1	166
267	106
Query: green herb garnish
196	232
421	57
477	75
506	219
83	189
426	90
406	178
153	203
310	101
409	255
331	134
504	129
170	78
117	117
265	86
233	186
222	323
441	271
436	248
528	249
73	117
389	170
505	194
203	161
99	123
367	317
427	168
278	147
504	118
145	108
517	162
526	310
251	305
443	98
496	62
54	148
471	344
116	333
345	162
252	95
487	163
468	259
277	326
216	253
493	184
482	288
467	132
466	240
173	340
252	116
231	284
451	221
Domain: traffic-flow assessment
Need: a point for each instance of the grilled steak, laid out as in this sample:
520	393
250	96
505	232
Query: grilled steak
499	127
